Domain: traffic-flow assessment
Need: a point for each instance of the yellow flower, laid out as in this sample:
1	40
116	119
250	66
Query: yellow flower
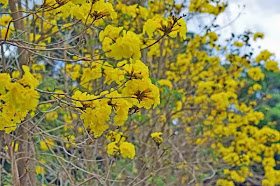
4	20
143	11
266	182
40	170
220	100
104	8
70	140
113	149
268	162
4	32
80	130
258	35
115	137
238	44
78	95
143	93
99	10
22	98
150	27
110	32
119	146
123	47
204	6
73	71
4	2
223	182
28	79
127	150
257	87
130	10
14	145
17	99
156	136
47	143
95	119
272	65
51	116
165	82
5	81
119	47
16	74
182	30
120	107
263	56
112	74
91	73
136	69
256	73
38	67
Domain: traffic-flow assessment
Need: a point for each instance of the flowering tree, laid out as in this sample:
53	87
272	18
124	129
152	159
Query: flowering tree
118	92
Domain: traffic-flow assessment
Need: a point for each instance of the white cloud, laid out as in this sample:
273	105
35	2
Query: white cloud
256	16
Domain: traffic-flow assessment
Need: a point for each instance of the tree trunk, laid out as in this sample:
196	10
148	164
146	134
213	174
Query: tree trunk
25	164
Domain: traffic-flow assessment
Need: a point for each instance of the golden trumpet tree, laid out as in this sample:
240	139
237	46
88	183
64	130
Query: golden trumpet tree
120	93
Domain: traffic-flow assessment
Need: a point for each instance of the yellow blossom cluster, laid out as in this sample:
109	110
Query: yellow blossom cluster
4	22
156	136
204	6
230	123
17	99
119	146
119	47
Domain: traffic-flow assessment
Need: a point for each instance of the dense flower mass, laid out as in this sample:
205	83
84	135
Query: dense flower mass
84	85
17	99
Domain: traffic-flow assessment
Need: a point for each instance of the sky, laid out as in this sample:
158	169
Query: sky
256	16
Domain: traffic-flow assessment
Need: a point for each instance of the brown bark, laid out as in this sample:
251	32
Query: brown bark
19	27
25	156
14	169
25	166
